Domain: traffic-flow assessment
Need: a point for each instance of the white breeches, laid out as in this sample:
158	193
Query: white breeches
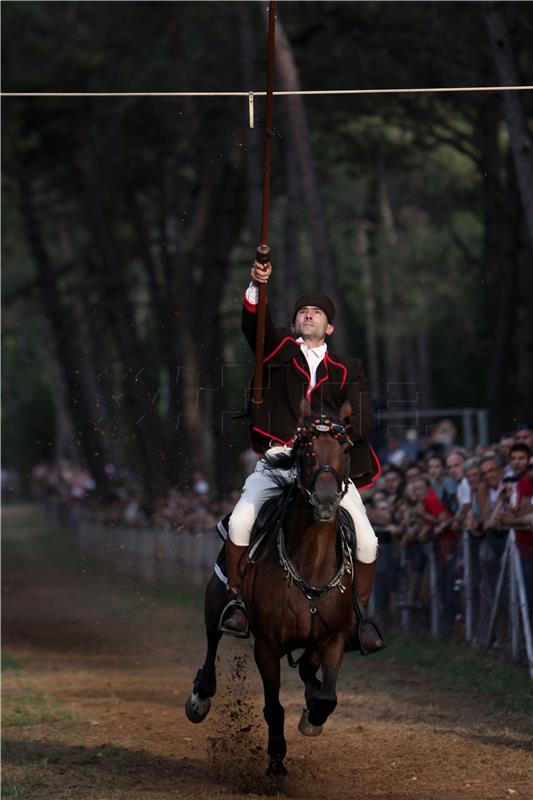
260	486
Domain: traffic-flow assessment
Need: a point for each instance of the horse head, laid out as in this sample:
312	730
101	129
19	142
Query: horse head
322	447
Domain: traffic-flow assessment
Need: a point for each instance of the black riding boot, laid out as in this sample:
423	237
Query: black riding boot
365	637
234	618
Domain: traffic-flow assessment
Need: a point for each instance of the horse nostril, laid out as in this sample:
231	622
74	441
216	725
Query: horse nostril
325	508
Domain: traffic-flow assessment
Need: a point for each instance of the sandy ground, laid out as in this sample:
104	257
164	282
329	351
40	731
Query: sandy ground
101	668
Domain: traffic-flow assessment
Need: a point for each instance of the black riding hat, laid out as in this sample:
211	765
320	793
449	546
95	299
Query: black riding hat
321	301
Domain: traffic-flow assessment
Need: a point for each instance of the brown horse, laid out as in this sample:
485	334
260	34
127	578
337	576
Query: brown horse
296	593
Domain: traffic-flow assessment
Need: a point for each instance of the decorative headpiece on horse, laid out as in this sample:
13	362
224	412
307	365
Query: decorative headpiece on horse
312	426
316	425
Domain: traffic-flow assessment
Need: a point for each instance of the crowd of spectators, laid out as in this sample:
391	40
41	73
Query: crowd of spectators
423	501
194	510
428	493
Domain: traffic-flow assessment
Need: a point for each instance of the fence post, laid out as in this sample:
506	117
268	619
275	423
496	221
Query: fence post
468	430
468	587
497	594
434	590
405	614
483	427
522	594
514	610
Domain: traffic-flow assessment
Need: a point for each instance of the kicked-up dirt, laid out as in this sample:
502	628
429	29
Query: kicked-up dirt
97	671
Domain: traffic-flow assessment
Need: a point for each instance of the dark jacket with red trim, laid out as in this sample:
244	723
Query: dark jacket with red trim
286	380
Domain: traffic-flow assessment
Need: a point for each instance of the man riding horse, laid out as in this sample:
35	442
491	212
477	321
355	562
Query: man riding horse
299	365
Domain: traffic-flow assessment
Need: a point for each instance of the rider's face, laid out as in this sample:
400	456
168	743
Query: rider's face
312	324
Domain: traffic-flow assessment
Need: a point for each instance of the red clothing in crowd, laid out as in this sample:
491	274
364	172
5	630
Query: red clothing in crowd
524	539
447	540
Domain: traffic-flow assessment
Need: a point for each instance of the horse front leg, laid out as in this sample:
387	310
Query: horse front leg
268	663
308	668
323	703
205	684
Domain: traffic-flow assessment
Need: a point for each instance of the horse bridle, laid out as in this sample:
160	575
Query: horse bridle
303	441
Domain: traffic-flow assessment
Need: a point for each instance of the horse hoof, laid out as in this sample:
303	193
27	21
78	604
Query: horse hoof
305	727
276	767
197	708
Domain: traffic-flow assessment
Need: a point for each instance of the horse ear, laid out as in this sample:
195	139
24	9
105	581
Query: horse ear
346	411
305	408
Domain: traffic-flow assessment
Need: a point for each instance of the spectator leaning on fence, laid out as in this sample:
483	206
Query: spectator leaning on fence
469	512
455	467
506	442
442	484
490	495
437	518
518	512
524	434
413	471
491	472
518	460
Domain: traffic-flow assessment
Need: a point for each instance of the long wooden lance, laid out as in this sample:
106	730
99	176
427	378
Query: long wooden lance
263	251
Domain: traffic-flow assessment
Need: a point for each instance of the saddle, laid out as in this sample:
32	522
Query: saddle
266	526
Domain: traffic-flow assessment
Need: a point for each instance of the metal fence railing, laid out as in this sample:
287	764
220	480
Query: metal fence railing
479	594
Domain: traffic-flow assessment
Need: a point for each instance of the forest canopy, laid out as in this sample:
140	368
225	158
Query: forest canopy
129	224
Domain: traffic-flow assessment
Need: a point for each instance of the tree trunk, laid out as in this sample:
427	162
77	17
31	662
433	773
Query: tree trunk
138	394
300	148
225	224
519	135
65	447
500	226
292	279
80	291
165	309
503	322
392	378
369	305
88	435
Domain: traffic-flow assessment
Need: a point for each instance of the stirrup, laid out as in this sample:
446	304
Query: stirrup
237	604
371	628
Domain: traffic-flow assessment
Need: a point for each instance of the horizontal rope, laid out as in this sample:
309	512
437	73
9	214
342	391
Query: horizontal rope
428	90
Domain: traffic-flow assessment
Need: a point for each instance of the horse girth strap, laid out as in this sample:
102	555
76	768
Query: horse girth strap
316	592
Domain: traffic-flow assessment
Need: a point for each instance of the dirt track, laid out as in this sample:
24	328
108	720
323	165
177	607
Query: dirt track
101	669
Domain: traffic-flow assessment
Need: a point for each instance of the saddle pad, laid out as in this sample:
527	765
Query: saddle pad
266	523
220	564
260	532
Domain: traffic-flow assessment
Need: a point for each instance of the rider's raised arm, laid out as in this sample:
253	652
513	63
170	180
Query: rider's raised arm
273	335
357	392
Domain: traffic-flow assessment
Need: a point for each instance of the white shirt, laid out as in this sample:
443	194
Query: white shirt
464	493
313	355
493	494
